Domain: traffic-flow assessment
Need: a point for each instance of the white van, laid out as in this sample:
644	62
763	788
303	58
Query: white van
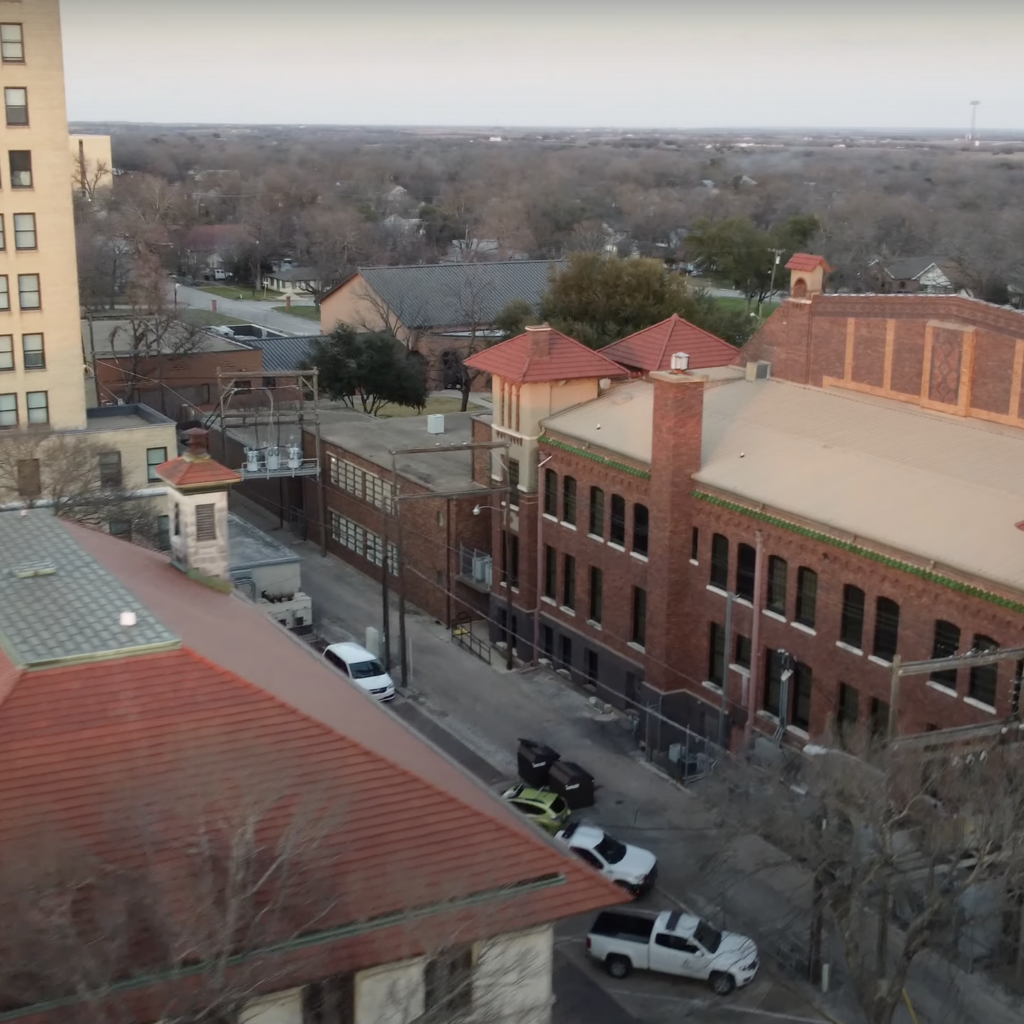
357	664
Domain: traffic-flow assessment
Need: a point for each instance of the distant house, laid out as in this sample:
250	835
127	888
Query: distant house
206	248
935	275
294	281
479	250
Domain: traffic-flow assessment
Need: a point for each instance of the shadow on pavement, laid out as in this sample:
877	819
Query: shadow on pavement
580	1000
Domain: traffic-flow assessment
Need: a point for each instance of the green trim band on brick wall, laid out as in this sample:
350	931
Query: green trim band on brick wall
594	457
856	549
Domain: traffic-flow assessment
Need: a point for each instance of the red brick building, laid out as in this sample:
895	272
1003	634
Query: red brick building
851	485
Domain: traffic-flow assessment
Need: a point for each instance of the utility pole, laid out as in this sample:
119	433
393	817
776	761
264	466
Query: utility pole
771	286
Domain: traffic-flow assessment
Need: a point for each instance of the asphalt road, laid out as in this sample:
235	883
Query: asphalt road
252	311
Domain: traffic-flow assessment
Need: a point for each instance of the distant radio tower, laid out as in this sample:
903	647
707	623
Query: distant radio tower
973	137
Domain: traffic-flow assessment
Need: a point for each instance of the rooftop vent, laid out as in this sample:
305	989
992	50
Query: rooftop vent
29	570
680	361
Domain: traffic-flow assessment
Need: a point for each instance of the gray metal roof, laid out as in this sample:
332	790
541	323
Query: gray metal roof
293	274
58	603
449	294
283	354
912	267
249	547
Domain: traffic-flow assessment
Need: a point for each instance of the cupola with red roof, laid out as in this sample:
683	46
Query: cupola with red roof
652	348
807	274
197	508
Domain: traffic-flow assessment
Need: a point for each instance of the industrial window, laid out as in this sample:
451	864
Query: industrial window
5	293
851	628
8	410
110	470
510	558
741	653
24	231
746	561
32	351
550	571
887	629
448	982
983	679
28	291
720	561
617	530
847	710
591	664
12	44
154	457
801	684
378	492
513	482
596	596
569	582
38	405
945	644
641	525
638	632
777	572
771	702
6	351
716	654
596	512
374	548
806	596
694	544
550	492
16	102
206	522
29	479
348	534
20	161
569	500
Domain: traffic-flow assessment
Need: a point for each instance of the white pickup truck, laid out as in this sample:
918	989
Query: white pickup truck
673	943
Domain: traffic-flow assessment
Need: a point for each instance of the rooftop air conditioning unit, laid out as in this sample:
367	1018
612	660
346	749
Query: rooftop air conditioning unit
680	361
435	423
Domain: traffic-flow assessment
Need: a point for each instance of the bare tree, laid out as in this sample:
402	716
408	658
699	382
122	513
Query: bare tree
473	298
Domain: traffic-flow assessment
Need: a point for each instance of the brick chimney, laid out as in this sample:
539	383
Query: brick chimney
197	506
539	343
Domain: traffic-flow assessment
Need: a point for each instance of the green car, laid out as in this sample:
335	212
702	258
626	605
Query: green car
541	806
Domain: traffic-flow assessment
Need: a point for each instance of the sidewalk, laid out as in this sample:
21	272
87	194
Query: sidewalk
744	884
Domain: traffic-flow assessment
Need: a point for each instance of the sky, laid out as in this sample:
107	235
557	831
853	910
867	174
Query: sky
557	63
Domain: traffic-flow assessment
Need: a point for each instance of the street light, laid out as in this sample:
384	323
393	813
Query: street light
506	569
176	287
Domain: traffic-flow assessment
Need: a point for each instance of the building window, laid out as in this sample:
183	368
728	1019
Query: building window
16	102
510	558
378	492
348	534
879	718
640	529
30	484
777	572
330	1002
719	561
547	636
550	493
982	686
28	291
5	293
801	683
513	482
448	982
3	234
569	500
771	701
851	629
110	470
565	652
887	629
716	654
617	530
8	410
596	596
32	351
847	710
638	631
746	562
945	644
206	522
741	654
569	582
25	231
591	666
806	596
121	528
6	352
21	168
177	520
550	571
38	405
163	533
154	457
694	543
12	44
597	511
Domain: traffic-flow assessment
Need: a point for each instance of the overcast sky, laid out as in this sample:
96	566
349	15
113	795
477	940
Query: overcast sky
636	63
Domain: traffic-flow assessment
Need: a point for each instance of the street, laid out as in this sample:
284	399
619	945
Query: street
253	311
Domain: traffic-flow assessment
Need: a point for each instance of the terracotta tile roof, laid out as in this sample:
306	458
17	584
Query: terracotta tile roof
652	348
92	750
541	354
807	261
196	470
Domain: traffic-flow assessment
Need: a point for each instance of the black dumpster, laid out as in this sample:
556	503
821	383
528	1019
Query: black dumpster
535	761
574	783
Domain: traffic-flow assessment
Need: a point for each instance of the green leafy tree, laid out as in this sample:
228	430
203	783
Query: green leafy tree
371	368
512	320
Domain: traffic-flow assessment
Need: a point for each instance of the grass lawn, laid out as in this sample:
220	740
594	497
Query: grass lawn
308	312
239	291
731	304
207	318
434	405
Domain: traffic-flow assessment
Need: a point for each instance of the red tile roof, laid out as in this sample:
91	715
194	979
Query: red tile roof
652	348
543	354
807	261
196	470
97	753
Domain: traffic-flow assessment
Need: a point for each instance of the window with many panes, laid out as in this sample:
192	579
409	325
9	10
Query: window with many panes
638	630
617	529
983	678
801	686
378	492
887	629
596	526
596	594
851	627
550	493
348	534
448	983
569	500
154	457
777	572
550	571
6	352
806	596
716	654
24	231
32	351
8	410
12	44
110	469
746	560
569	582
29	296
20	162
641	529
771	701
37	404
944	645
720	561
16	104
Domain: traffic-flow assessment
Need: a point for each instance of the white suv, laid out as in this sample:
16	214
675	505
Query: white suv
362	668
632	868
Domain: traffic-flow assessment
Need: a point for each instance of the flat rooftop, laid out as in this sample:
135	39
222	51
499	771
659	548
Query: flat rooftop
249	547
108	339
124	417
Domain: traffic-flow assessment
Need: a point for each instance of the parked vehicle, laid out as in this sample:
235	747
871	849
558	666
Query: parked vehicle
632	868
541	806
362	668
672	943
